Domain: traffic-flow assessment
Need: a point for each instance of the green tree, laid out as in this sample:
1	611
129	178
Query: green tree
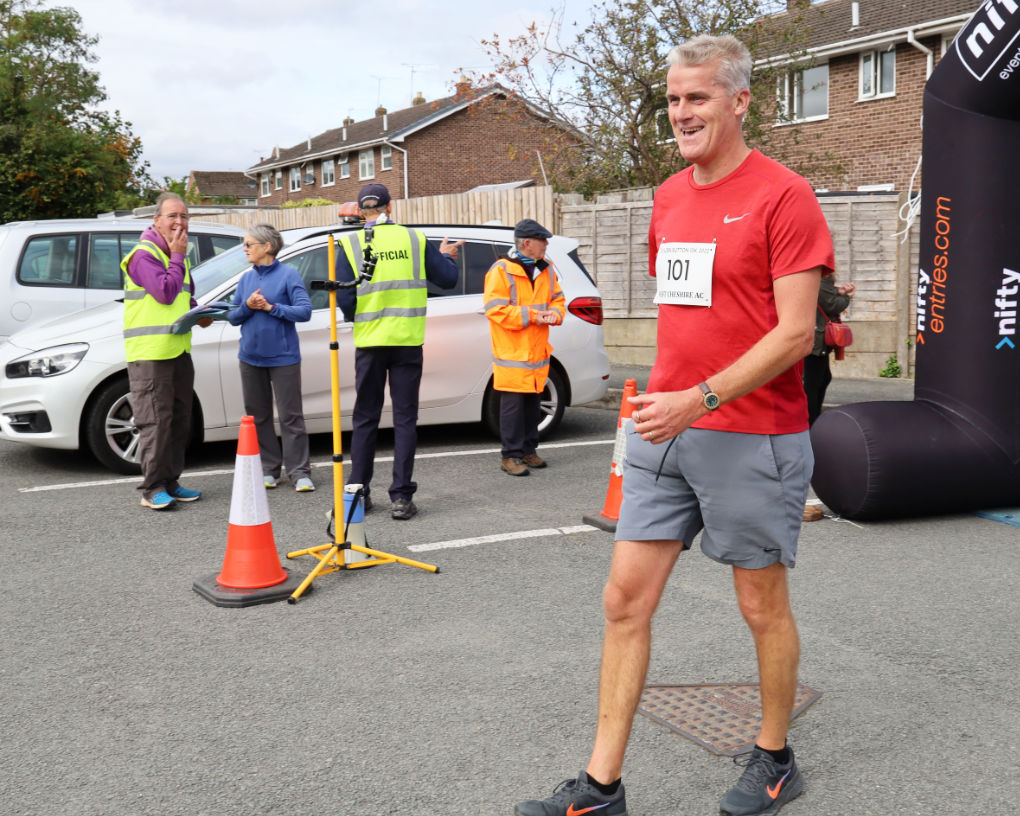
607	80
59	156
180	186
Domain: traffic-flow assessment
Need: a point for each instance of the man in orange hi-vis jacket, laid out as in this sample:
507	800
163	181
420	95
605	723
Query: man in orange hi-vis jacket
522	300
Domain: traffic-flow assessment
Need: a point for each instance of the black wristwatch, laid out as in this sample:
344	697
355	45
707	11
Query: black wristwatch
709	397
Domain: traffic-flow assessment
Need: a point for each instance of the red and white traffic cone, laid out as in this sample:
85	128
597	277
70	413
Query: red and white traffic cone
610	514
251	571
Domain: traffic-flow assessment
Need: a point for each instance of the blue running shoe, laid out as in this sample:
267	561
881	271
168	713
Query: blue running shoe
573	797
764	787
185	495
160	501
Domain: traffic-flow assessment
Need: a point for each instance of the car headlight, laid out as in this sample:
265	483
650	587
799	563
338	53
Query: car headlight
48	362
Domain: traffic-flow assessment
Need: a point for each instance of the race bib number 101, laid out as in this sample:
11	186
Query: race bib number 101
683	274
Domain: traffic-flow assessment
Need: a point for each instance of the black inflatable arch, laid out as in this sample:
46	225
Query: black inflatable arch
956	447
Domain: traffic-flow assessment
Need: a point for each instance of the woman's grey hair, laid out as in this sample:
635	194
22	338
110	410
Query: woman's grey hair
734	72
267	234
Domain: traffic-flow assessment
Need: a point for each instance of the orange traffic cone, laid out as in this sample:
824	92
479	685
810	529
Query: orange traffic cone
251	567
606	520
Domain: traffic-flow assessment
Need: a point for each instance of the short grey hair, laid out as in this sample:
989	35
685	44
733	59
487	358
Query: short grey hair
168	196
734	72
267	234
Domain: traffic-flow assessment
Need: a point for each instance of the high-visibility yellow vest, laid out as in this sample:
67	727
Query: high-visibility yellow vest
147	322
390	308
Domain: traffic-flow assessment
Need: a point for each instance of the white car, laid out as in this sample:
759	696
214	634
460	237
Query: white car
61	266
64	384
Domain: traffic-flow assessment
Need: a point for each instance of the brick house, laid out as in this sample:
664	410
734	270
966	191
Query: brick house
213	185
476	137
858	97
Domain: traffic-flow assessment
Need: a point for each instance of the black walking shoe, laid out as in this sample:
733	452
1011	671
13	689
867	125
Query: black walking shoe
403	509
573	797
764	787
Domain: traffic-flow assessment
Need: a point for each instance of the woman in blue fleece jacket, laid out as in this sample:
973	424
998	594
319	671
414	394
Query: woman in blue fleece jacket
270	299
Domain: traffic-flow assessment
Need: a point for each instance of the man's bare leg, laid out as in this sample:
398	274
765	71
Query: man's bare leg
637	578
764	599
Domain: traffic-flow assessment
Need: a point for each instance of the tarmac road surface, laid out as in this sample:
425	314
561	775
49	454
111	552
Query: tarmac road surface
393	690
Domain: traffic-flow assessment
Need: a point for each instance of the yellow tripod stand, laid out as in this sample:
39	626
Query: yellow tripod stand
332	556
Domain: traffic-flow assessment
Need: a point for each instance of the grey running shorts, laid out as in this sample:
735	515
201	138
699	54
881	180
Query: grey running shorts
746	491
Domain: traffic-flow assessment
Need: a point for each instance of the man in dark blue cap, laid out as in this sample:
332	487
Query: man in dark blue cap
388	312
522	300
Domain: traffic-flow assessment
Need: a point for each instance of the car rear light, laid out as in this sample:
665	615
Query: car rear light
589	309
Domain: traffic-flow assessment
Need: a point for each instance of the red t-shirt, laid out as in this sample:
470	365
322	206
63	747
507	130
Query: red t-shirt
766	223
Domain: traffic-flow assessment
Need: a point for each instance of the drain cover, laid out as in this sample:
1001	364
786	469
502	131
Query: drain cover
724	718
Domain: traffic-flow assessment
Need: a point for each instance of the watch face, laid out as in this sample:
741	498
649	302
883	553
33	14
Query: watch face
711	401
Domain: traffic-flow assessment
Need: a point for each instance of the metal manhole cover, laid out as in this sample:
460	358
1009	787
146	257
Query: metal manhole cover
722	718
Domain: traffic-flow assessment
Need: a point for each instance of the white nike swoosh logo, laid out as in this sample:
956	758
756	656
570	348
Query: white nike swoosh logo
727	220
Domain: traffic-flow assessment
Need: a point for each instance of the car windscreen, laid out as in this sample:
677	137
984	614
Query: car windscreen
216	271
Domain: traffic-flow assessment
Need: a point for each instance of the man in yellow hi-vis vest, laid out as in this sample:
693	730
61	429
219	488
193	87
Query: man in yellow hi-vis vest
158	291
389	329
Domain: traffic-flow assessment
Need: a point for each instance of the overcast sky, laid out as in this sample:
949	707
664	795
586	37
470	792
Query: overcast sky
215	84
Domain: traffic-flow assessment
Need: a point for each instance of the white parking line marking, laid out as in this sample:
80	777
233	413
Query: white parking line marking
493	539
196	473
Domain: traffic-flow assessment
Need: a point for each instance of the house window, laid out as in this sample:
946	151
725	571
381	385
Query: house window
345	166
264	180
327	172
804	95
366	164
295	179
877	74
386	157
279	179
663	127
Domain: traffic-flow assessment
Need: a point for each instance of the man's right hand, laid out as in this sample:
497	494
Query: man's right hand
178	242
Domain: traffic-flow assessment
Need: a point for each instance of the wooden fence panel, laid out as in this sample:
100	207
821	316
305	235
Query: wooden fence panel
505	206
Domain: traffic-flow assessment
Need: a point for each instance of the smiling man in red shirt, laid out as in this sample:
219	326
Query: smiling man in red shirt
719	443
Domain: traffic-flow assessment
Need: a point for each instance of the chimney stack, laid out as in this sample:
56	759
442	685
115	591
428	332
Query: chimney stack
418	100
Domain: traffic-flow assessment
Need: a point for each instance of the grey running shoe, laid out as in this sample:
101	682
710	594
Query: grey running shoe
573	797
764	787
403	509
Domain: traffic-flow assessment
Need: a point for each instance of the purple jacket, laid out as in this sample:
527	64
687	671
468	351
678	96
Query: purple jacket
147	271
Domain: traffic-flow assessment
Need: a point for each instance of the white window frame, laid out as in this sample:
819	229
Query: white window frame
264	185
870	74
295	179
366	164
791	95
385	157
344	160
279	179
664	127
886	187
328	173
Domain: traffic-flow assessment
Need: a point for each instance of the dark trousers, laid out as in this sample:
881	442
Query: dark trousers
258	385
372	366
519	415
817	377
161	395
